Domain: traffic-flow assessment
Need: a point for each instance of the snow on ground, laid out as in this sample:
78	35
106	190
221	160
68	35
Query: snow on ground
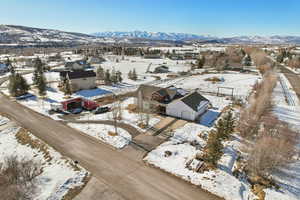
189	141
101	132
186	143
242	83
127	117
141	65
288	177
50	77
58	174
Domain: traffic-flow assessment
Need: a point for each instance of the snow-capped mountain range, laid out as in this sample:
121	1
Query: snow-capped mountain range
208	38
13	35
153	35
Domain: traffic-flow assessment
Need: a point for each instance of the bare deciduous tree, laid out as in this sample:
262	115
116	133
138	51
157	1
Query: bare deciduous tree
18	178
274	148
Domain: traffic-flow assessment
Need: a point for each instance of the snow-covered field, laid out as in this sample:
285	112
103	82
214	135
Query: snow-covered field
141	65
58	175
241	83
102	132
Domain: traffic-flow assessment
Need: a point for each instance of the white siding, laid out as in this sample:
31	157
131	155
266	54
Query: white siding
83	83
181	110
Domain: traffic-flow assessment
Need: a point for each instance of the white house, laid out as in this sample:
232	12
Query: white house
79	80
189	107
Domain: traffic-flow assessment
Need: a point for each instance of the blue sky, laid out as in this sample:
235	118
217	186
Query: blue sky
214	17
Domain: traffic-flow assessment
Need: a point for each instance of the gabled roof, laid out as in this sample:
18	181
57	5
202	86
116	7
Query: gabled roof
193	100
77	74
167	92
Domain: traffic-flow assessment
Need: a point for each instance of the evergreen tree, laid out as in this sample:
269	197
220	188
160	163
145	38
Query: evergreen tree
134	75
229	123
119	76
67	87
225	126
38	70
107	79
113	77
213	149
100	73
130	74
41	84
17	85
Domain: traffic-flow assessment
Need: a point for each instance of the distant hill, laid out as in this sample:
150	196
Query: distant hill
22	35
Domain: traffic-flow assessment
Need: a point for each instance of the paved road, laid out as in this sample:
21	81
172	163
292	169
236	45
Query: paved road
128	178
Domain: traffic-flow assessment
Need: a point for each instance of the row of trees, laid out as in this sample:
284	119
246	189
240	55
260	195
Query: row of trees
260	103
108	76
18	85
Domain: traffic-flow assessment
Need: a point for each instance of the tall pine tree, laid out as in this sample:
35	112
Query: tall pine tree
41	84
134	75
67	87
107	78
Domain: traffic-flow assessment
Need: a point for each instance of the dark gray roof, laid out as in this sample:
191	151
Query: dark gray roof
78	74
193	100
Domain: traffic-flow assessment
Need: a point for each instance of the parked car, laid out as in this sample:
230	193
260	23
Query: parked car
100	110
75	111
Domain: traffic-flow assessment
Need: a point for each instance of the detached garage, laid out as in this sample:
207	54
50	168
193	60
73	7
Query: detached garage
188	107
